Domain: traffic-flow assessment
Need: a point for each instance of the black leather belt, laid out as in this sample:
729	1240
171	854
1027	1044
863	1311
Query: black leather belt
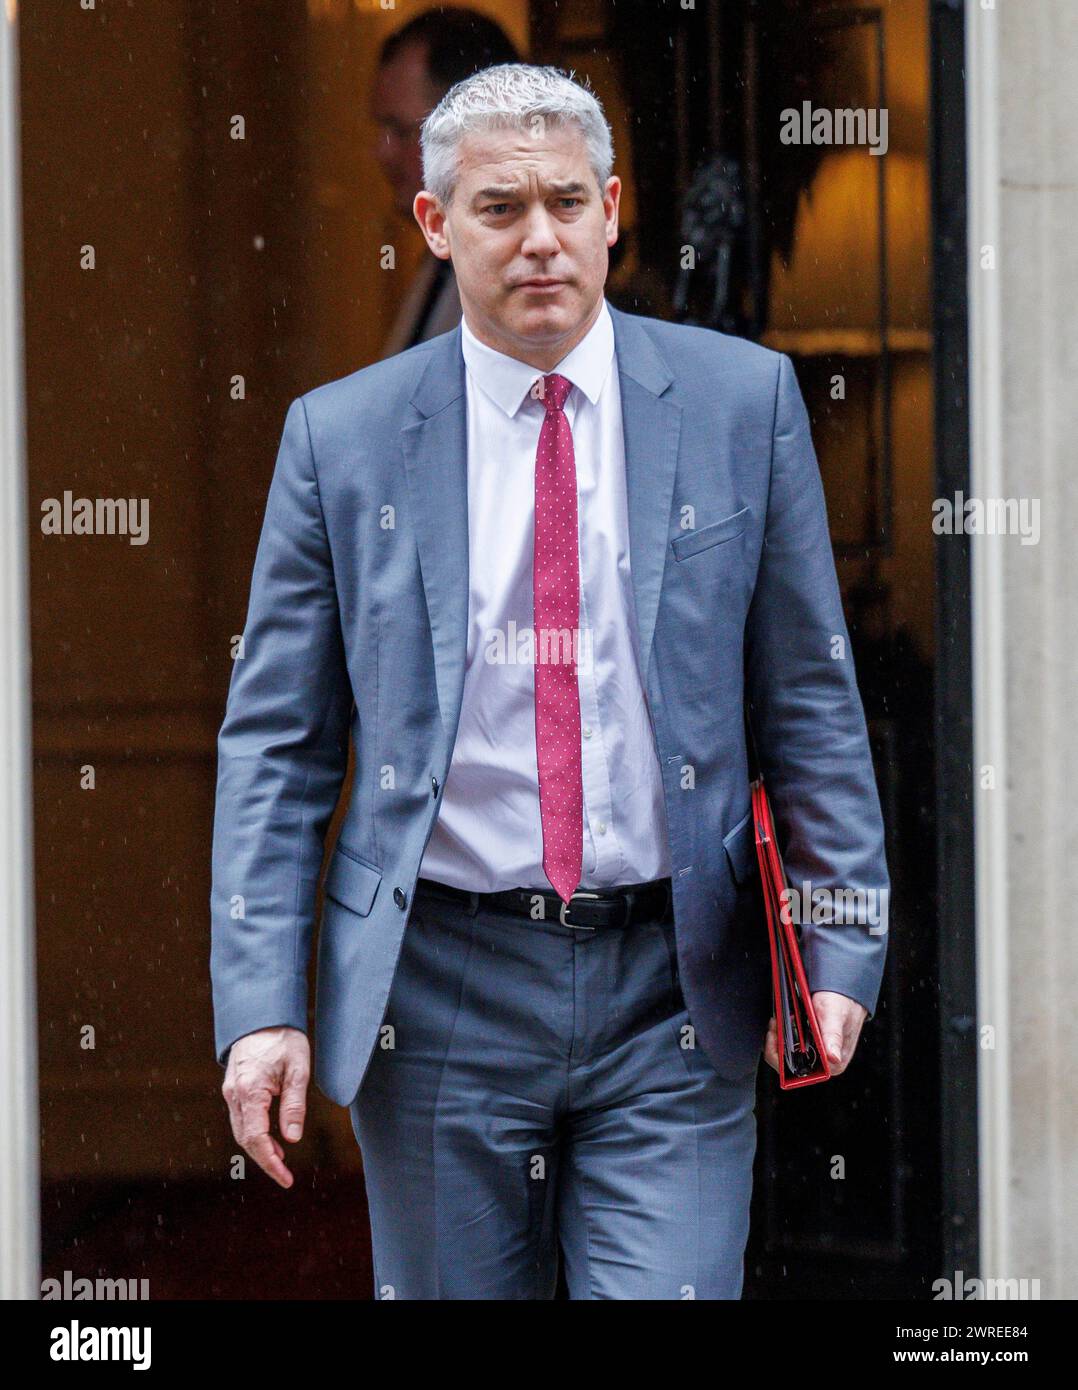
618	907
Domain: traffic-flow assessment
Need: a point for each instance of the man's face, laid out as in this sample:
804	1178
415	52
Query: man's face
528	231
401	100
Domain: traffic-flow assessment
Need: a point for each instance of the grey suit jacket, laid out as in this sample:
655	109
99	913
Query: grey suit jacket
357	624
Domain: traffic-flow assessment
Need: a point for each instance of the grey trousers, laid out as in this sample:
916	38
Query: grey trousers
536	1087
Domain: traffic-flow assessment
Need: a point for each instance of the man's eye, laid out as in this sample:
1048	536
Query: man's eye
569	200
496	207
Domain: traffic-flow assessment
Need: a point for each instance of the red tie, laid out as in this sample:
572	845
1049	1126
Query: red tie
556	580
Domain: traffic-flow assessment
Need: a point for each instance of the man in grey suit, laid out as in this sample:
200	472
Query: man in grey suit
535	566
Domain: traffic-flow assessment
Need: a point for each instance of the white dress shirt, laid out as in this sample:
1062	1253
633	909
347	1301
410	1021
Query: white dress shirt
489	834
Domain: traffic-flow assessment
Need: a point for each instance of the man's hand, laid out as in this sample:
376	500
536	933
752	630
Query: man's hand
270	1062
840	1020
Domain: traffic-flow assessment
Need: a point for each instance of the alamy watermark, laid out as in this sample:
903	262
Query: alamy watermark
836	907
816	125
556	646
988	516
97	516
965	1287
75	1287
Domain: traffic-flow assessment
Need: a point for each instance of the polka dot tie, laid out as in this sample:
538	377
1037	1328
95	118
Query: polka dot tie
556	581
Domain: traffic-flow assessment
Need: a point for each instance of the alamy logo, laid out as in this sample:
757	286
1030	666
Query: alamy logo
71	1287
811	125
76	1342
557	646
97	516
836	906
964	1287
988	516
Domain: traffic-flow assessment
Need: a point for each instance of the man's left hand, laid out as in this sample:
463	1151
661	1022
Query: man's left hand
840	1019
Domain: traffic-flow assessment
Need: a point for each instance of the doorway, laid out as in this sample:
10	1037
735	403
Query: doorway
794	174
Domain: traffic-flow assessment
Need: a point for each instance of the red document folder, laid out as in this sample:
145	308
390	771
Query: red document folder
802	1055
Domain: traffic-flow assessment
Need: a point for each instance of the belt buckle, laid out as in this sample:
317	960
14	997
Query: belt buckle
577	926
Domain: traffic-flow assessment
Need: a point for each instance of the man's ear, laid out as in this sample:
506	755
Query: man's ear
430	215
612	208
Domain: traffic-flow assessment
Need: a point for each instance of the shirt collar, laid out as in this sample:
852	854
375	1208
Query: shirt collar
507	380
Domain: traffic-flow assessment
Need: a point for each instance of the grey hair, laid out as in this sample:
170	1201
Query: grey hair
511	96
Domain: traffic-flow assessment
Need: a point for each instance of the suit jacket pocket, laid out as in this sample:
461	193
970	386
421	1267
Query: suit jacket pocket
740	847
352	882
704	537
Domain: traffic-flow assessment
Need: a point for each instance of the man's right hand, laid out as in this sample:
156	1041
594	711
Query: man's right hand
270	1062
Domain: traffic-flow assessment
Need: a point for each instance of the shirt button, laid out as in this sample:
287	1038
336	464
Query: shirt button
399	897
602	827
587	731
434	786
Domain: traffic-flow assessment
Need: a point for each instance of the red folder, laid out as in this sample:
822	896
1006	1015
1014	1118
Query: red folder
801	1052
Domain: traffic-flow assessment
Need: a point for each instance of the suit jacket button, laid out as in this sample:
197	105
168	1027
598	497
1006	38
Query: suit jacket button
434	786
399	897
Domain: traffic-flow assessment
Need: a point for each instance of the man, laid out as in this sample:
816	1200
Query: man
417	65
536	564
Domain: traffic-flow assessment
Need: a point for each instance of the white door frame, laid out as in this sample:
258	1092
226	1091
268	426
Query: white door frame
988	636
19	1160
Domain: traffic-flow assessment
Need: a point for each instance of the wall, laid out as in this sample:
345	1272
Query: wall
1022	67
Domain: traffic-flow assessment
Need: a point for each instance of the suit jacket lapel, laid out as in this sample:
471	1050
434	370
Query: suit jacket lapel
436	461
652	428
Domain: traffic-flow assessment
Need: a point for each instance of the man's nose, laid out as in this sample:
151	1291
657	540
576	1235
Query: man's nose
540	234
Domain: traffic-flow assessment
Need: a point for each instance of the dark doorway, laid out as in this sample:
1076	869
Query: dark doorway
826	251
